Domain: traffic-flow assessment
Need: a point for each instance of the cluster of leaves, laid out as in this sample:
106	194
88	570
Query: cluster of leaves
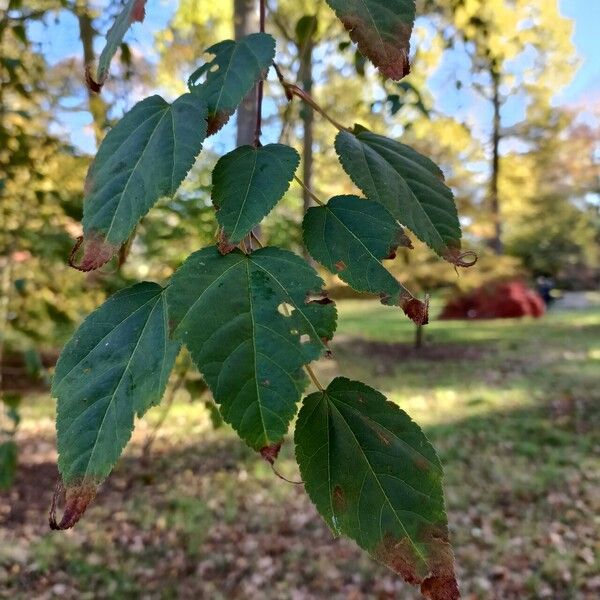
254	318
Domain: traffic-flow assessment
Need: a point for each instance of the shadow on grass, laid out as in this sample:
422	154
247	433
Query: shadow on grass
202	518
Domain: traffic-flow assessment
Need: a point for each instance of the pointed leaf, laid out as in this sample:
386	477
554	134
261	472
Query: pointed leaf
350	237
144	157
374	477
228	78
134	10
407	183
382	30
231	313
248	183
115	367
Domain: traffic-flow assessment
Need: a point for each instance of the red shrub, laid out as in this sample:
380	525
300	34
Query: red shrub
503	300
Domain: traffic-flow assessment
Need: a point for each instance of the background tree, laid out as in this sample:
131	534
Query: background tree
519	51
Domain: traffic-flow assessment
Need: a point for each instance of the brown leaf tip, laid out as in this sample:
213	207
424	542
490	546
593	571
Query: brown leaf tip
433	573
417	310
77	499
439	587
92	84
138	11
224	245
96	252
217	120
392	58
270	453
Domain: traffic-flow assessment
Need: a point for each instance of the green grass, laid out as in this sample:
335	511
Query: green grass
511	405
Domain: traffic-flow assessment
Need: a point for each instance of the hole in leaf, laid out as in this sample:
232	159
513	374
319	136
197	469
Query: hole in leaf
214	68
285	309
304	338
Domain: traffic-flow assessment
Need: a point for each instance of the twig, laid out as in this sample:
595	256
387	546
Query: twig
291	90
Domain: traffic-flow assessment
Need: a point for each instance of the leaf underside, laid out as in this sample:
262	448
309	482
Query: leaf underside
115	367
382	30
248	183
226	80
229	310
350	236
133	11
374	477
144	157
409	185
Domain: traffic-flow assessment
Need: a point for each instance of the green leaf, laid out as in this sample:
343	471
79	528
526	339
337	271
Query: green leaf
231	313
306	29
405	182
134	10
145	157
374	477
382	30
228	78
350	237
8	464
248	183
115	367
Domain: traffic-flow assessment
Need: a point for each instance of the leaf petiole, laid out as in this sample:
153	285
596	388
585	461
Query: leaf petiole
291	90
310	192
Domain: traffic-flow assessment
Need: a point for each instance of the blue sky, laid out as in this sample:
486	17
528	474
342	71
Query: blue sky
586	14
60	38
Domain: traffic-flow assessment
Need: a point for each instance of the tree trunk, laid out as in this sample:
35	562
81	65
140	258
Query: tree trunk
418	337
495	242
305	76
96	103
245	21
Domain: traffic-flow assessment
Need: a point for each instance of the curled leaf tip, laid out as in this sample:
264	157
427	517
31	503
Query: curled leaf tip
271	452
77	499
96	253
461	259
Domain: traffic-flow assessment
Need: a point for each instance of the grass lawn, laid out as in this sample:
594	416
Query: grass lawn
512	406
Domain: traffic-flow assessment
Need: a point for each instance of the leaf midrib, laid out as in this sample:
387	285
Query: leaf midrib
113	394
166	110
331	402
368	251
